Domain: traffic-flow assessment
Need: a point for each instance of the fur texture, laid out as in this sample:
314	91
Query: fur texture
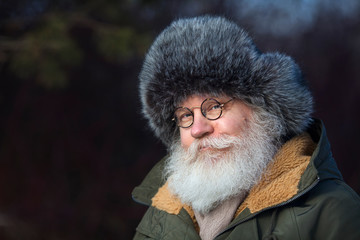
213	56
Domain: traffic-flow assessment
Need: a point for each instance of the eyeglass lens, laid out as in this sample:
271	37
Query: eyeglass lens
210	108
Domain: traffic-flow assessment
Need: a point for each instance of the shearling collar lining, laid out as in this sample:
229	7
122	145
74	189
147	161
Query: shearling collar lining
277	185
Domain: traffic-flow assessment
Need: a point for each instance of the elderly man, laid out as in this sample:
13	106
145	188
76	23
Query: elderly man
246	160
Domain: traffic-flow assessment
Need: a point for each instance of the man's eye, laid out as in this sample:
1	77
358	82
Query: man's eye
214	107
185	117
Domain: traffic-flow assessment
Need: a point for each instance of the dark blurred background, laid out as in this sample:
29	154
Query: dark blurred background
73	143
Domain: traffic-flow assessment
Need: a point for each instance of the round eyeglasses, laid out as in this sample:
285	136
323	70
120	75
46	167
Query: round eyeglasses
210	108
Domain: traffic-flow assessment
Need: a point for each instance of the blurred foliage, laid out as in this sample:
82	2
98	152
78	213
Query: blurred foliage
48	48
67	163
121	43
45	53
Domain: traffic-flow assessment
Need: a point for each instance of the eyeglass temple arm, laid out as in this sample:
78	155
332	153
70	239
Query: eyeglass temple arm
226	102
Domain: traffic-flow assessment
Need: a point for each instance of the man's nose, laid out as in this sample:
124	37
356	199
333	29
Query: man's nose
201	126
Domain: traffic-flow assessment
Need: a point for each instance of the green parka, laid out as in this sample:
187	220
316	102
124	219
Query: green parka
302	197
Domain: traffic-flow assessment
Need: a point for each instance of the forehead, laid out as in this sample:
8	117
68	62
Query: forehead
196	100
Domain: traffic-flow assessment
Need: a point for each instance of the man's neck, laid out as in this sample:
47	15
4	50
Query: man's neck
212	223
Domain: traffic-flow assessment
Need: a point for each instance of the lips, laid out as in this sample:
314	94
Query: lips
204	148
210	148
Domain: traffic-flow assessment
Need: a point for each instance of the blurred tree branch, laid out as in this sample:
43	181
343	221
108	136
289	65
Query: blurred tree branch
48	48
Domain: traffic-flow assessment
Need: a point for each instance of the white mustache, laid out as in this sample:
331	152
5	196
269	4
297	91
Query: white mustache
217	143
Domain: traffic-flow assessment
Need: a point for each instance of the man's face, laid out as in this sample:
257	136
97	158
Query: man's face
218	159
233	121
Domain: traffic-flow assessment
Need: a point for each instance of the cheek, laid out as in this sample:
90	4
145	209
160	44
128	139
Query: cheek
186	138
233	126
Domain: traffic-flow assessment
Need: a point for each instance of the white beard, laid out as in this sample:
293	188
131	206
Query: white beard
232	166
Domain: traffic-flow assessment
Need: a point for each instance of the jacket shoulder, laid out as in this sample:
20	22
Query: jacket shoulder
158	224
329	211
337	192
150	185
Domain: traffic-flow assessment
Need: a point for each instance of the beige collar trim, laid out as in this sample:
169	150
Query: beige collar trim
278	184
281	180
166	201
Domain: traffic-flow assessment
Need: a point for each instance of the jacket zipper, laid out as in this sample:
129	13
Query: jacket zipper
276	206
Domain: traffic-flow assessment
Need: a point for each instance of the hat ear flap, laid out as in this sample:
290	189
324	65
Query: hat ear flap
285	93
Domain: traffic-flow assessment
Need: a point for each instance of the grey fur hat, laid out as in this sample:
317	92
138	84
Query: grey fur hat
212	55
